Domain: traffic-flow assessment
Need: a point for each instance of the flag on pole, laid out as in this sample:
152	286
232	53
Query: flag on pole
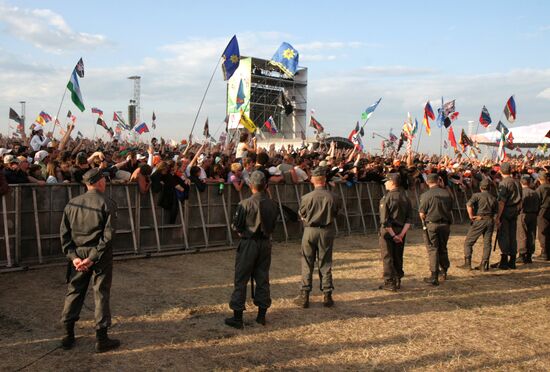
95	110
415	127
502	128
270	125
47	118
369	110
286	58
69	114
316	125
547	134
501	151
445	144
510	110
142	128
449	108
231	58
153	124
452	138
120	121
40	120
510	141
428	114
303	135
15	116
74	88
393	137
246	122
465	141
206	130
79	68
240	95
484	117
454	116
354	132
102	123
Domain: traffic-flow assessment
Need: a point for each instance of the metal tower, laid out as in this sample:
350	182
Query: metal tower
137	95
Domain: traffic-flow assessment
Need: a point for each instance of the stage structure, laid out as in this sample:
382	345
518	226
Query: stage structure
134	108
261	90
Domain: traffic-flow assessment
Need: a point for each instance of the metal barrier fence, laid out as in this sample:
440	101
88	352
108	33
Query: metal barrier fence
31	216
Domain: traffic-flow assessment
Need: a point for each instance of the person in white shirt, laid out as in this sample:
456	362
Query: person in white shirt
38	140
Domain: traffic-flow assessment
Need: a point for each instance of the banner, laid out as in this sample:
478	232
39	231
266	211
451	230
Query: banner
242	74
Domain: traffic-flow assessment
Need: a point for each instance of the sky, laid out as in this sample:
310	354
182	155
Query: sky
407	52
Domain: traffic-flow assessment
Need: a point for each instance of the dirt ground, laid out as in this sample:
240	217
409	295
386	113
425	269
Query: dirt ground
168	313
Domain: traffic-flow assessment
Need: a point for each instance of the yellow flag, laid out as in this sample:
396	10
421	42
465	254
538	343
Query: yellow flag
246	122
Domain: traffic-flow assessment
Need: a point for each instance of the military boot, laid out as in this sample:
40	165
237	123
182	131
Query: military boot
398	283
327	299
528	259
484	266
389	285
302	300
103	342
443	275
260	319
467	263
512	262
67	342
503	264
236	321
433	279
523	258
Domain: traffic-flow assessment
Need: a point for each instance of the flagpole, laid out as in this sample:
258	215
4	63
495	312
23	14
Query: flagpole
204	96
419	138
441	139
59	109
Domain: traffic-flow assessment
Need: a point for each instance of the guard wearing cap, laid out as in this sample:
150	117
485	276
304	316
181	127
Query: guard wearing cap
527	220
87	230
482	209
395	220
435	212
543	219
318	210
509	203
254	221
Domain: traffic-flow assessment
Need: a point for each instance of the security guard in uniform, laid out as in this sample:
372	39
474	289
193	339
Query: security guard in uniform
435	211
318	210
527	220
254	221
543	219
87	230
509	200
482	209
395	221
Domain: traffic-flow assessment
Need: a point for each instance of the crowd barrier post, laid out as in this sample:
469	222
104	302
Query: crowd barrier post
155	222
359	201
131	217
17	229
183	227
344	203
374	219
226	214
281	210
137	218
6	232
37	225
201	213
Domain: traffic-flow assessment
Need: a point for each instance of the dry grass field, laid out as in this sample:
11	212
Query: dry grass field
169	312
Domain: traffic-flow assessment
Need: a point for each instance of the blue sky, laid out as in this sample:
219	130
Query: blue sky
478	53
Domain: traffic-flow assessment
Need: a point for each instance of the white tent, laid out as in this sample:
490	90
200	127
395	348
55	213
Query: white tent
525	136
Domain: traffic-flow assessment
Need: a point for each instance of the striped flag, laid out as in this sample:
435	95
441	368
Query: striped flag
428	114
484	117
510	110
95	110
270	125
74	88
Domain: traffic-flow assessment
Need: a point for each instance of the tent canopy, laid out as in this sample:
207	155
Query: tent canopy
525	136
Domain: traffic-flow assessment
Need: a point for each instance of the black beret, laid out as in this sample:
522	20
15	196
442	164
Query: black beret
505	168
319	172
257	178
432	178
92	176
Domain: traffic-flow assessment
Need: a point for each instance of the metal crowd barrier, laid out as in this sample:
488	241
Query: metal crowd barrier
31	216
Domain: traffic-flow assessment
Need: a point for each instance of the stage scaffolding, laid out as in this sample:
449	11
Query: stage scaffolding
267	85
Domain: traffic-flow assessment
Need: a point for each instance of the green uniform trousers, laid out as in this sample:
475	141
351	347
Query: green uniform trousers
483	227
252	260
392	254
101	274
437	247
526	233
317	242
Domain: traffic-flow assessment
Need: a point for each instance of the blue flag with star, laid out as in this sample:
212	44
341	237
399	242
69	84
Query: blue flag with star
286	58
231	58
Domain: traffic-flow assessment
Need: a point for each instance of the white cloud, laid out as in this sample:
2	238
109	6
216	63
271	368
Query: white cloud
544	94
46	29
397	70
